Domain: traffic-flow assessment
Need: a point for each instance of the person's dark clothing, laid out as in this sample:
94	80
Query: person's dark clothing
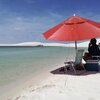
94	50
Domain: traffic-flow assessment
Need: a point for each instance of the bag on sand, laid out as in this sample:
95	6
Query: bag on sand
79	67
87	56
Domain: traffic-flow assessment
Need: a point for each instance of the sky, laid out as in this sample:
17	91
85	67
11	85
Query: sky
26	20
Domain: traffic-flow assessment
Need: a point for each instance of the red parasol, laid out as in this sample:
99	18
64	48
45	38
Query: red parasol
75	29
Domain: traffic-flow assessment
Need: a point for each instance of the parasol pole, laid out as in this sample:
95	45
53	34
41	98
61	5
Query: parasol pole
75	41
76	45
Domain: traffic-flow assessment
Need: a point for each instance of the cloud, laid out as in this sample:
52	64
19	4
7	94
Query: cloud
16	28
21	29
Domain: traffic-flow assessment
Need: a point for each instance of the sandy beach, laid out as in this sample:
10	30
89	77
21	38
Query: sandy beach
58	85
13	91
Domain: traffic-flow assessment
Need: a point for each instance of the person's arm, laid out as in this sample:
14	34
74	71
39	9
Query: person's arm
89	47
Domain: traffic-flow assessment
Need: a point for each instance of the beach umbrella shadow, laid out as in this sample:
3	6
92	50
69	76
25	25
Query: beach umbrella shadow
61	70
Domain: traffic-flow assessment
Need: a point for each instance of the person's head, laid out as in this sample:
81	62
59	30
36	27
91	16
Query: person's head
93	41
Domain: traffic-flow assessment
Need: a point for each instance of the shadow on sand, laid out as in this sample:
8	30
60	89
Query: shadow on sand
61	70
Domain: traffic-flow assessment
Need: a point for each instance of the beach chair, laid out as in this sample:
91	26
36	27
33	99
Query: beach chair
96	57
77	62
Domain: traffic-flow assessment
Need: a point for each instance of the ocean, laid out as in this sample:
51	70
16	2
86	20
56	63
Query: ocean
18	62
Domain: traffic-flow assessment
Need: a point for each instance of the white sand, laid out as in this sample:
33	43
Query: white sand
16	88
65	87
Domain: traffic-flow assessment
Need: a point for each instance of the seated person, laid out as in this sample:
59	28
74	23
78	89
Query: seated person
93	50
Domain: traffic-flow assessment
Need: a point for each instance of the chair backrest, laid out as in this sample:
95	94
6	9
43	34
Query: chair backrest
79	56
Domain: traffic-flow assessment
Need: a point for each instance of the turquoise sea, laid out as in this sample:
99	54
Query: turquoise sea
18	62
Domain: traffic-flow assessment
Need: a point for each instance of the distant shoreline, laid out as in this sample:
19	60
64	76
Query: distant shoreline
40	44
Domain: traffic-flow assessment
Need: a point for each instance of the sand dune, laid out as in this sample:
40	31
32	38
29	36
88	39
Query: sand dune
83	44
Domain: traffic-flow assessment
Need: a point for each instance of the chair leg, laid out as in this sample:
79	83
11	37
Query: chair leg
65	68
73	67
70	66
